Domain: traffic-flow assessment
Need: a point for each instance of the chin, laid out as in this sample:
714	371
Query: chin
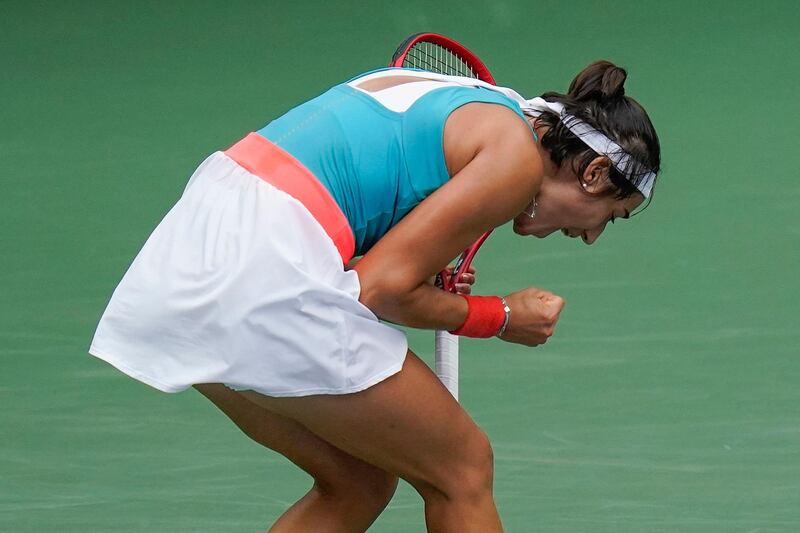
520	229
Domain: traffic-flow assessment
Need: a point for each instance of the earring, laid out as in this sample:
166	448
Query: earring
532	212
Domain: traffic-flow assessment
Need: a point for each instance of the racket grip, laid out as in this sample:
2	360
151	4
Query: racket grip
446	361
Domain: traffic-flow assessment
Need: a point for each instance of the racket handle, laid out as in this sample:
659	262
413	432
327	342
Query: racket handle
446	361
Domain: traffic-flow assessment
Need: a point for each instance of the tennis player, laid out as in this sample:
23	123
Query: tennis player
244	293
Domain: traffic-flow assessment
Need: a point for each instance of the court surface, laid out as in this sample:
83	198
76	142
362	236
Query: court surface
667	401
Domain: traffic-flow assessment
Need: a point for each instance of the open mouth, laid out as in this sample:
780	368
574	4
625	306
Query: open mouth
566	232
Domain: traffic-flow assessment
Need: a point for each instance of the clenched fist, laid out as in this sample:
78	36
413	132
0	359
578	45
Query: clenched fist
534	314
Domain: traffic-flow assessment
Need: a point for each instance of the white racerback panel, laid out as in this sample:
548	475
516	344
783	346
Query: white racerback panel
401	97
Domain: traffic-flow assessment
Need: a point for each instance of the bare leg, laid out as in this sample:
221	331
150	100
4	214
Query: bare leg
348	494
409	425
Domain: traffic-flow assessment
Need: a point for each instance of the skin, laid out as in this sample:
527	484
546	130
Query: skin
356	446
577	206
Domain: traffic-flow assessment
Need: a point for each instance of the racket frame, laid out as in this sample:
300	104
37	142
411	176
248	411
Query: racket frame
448	44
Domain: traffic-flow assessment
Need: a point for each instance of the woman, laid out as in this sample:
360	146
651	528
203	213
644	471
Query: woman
242	290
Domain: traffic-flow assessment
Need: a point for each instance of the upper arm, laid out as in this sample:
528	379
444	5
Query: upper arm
500	179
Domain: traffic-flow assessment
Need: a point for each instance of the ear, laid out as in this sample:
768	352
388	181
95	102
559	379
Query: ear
595	178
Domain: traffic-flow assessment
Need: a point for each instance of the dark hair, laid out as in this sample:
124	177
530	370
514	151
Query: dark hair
597	97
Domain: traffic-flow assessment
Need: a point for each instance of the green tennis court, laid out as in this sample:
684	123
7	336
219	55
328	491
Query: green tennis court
667	401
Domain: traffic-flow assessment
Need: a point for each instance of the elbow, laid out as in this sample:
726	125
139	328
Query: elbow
370	295
383	296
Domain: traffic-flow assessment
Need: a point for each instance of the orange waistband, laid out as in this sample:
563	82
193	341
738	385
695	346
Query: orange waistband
276	166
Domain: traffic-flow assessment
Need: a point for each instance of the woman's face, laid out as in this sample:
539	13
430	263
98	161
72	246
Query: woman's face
579	208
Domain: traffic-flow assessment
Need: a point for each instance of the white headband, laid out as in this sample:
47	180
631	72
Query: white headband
594	139
597	141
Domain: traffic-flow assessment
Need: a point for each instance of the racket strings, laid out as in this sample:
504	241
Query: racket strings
432	57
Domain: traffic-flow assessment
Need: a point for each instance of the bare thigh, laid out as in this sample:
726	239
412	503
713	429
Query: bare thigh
323	461
408	425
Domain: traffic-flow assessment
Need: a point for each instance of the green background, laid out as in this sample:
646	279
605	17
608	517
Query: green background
668	400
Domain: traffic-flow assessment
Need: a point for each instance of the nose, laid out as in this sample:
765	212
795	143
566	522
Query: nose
591	235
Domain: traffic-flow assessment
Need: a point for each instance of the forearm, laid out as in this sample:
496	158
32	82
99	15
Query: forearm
424	307
394	270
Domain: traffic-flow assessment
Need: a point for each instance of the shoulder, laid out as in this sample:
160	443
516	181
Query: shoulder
494	131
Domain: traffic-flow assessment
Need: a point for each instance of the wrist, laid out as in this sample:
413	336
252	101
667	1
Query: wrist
486	316
507	311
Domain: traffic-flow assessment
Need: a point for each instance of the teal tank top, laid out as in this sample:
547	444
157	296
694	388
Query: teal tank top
377	164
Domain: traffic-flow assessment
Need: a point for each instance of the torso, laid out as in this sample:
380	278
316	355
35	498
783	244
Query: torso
413	171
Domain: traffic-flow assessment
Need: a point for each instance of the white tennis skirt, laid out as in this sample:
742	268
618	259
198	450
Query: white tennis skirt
239	284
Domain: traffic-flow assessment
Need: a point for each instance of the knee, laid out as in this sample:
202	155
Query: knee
376	490
366	487
473	479
469	476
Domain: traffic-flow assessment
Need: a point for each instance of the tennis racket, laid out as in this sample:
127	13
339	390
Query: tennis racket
442	55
